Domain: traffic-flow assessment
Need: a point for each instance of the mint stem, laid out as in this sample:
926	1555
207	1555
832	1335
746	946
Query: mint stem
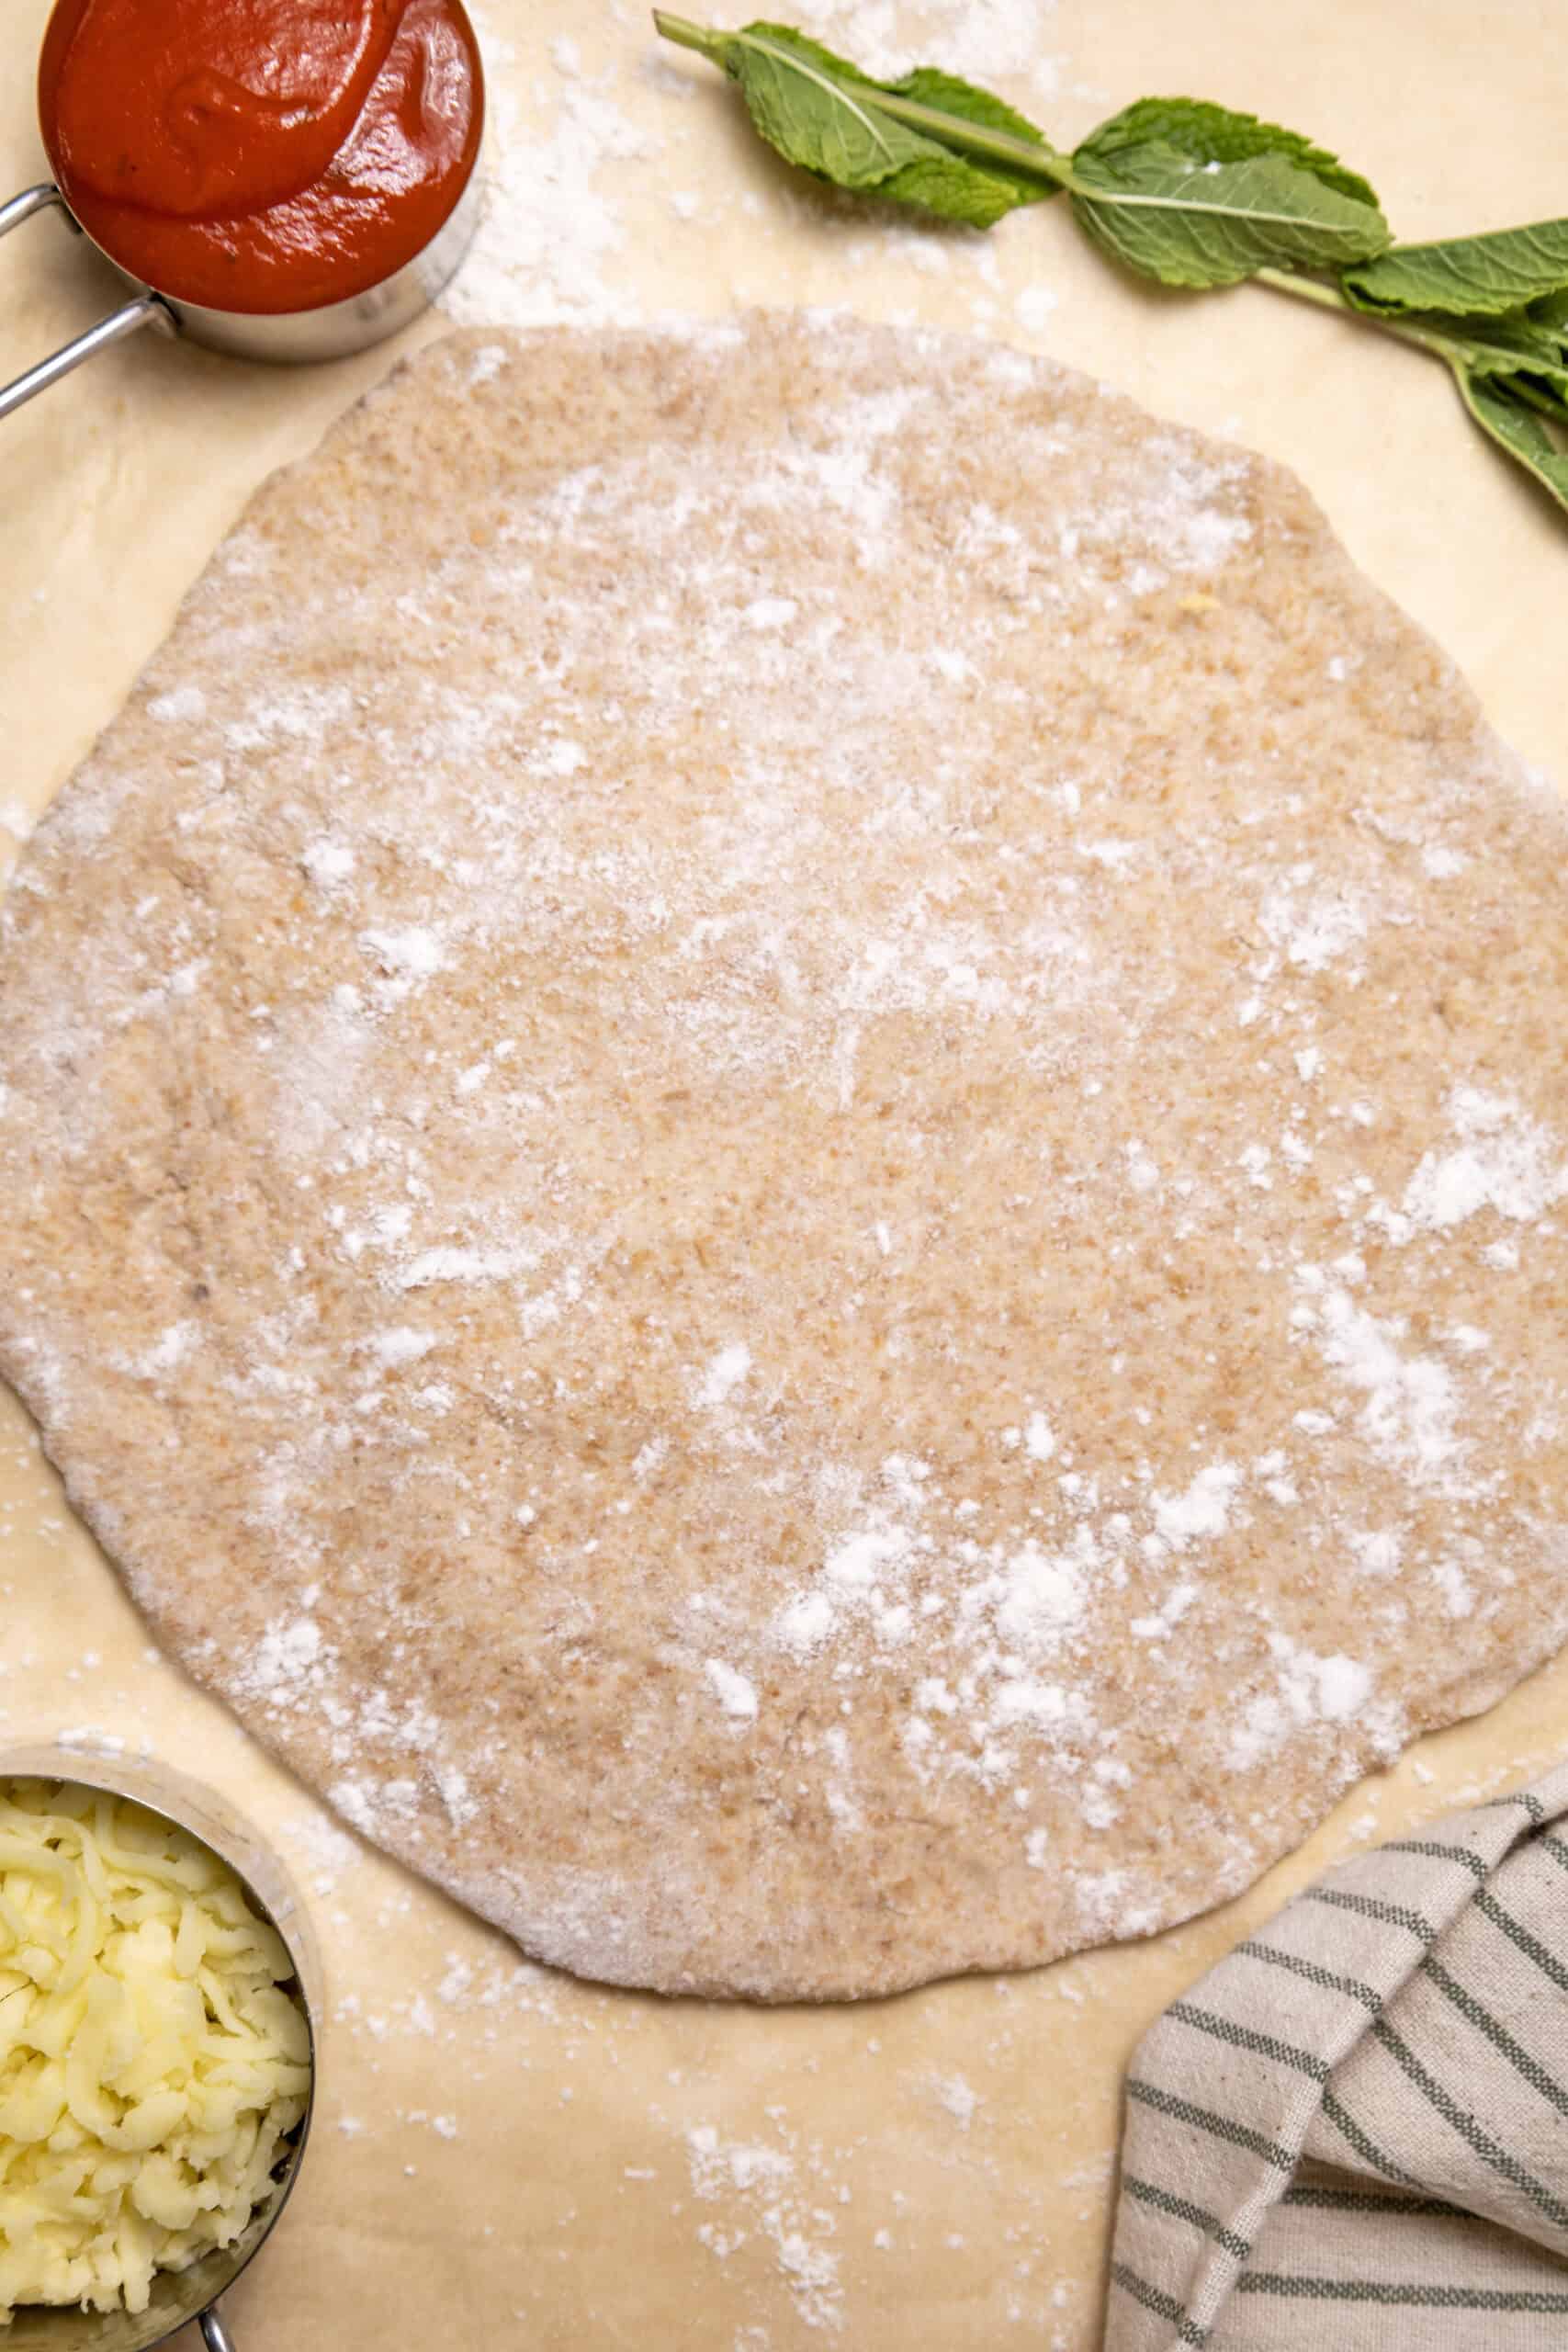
1542	402
1329	298
1308	289
685	35
1450	349
977	139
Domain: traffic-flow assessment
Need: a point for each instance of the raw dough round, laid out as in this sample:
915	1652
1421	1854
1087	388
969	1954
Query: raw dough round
778	1133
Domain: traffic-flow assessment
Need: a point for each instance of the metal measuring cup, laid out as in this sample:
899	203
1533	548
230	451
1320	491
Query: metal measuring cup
178	2297
329	331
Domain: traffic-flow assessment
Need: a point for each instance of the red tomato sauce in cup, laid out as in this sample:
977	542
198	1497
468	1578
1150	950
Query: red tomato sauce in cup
261	155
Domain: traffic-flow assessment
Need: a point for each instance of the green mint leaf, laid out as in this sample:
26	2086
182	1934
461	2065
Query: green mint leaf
1504	270
955	190
815	110
1211	134
1159	212
824	114
1517	430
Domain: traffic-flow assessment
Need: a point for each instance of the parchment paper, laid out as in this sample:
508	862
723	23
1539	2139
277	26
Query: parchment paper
508	2157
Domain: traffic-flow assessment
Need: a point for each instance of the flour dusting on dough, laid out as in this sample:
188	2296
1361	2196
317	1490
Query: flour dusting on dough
828	1254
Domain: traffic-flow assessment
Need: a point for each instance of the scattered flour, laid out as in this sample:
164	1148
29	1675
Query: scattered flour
957	2097
760	2181
1038	1440
1411	1402
1308	1689
1504	1161
1204	1510
286	1661
735	1695
725	1374
327	861
1311	932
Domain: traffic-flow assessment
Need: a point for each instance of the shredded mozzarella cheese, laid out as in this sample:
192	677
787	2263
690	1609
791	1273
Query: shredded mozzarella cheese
151	2062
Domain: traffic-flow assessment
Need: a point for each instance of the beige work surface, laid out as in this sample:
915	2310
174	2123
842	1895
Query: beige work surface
508	2157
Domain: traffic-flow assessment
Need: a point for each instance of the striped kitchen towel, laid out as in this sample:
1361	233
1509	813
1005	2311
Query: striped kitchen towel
1352	2134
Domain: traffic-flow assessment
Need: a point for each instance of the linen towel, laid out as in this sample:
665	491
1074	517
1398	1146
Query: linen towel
1352	2134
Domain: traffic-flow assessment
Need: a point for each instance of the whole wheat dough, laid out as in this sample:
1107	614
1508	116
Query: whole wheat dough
782	1133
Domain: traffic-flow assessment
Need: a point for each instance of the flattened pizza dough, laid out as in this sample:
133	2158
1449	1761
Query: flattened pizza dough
783	1142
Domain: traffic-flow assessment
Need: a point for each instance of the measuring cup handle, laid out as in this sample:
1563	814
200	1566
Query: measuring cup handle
141	310
144	311
214	2335
33	199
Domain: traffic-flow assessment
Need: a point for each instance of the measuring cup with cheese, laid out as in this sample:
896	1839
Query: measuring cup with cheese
157	2057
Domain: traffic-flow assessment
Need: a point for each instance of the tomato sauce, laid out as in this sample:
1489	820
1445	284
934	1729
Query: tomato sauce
261	155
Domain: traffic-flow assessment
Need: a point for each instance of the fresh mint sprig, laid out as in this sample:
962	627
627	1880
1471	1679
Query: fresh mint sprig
930	139
1192	195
